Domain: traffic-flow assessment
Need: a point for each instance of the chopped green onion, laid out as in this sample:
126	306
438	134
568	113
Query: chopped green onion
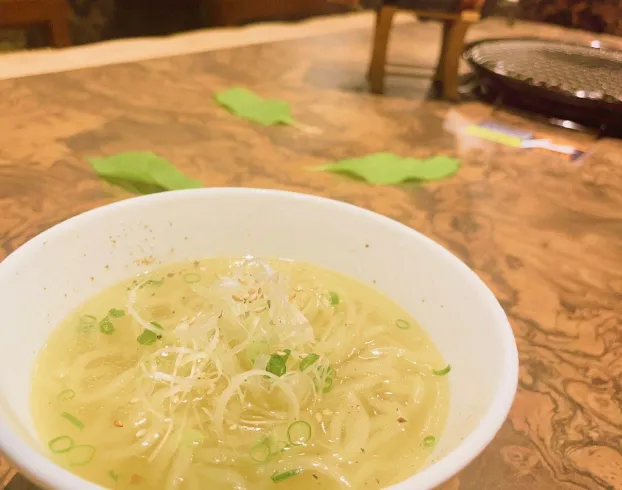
299	433
442	372
276	365
260	452
402	324
61	444
334	298
75	421
288	353
152	282
66	395
158	326
308	361
256	349
192	277
116	313
106	327
192	437
114	475
148	337
429	441
278	447
87	321
328	381
277	477
269	303
80	455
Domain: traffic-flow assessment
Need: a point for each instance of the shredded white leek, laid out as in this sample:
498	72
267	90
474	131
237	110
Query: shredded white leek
199	371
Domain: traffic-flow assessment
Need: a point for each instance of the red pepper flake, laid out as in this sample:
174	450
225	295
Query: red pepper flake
118	423
136	480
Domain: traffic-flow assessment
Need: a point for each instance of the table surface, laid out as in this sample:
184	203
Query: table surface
545	234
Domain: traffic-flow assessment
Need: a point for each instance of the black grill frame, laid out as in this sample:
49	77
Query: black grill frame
591	112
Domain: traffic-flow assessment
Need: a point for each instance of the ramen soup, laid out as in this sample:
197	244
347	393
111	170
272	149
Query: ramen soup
240	374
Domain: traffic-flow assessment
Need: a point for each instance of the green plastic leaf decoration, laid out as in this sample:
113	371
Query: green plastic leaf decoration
142	171
388	168
247	104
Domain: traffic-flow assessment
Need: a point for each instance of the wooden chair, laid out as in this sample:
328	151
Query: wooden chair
54	13
456	16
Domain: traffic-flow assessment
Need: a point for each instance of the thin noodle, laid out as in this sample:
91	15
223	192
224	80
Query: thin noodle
259	373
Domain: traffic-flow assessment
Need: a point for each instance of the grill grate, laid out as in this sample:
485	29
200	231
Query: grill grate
581	82
580	71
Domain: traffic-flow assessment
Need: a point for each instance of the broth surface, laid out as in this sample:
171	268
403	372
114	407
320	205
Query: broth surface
240	374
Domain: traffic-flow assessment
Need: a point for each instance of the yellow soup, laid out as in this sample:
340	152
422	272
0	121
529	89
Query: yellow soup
240	374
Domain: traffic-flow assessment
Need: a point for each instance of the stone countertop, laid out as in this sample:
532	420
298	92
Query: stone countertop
545	234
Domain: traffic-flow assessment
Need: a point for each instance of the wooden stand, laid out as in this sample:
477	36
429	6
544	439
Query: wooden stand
455	27
23	13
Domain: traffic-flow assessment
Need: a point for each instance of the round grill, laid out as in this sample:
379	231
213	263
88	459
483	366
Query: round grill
552	76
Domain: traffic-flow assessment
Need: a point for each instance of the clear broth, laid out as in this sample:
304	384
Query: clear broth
106	419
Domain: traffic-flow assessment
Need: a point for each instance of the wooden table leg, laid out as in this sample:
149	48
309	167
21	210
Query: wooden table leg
439	75
59	26
59	33
453	52
384	22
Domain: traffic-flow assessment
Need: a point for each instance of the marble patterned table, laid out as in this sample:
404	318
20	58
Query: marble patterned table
544	233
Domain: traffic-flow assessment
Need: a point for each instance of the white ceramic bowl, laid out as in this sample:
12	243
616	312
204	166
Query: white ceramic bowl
53	273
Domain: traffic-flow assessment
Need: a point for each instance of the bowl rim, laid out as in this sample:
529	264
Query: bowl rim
44	471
